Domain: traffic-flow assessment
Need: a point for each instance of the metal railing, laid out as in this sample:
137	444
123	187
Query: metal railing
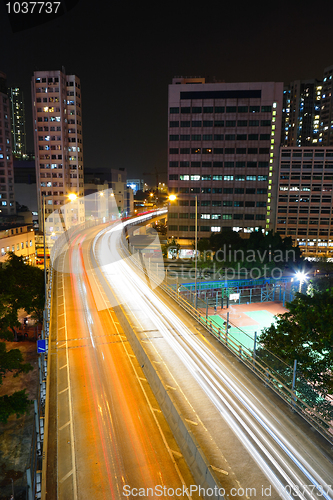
34	471
220	296
274	372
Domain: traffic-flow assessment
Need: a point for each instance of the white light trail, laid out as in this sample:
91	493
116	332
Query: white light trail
245	417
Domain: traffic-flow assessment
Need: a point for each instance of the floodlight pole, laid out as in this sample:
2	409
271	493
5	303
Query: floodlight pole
196	252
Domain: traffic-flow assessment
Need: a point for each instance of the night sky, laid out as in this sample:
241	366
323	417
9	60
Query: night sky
127	53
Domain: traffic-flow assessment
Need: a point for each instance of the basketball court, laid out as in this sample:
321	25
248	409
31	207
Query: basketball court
246	319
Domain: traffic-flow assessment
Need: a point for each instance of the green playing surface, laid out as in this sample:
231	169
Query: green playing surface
245	334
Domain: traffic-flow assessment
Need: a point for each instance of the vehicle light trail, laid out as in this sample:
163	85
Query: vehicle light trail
114	421
287	469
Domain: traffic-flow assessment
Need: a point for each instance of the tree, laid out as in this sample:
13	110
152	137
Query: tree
204	249
21	287
173	247
260	251
226	240
21	208
18	403
305	333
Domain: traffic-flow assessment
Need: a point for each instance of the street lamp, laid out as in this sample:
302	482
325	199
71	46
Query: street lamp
173	197
301	276
44	240
72	196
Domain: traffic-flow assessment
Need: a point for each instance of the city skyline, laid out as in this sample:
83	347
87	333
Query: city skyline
129	65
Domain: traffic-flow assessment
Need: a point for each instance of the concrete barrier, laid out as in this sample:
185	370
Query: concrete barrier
195	459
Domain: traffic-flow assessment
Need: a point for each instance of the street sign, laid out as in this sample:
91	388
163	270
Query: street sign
234	296
41	346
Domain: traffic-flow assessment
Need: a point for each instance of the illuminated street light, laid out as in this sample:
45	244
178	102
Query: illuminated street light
72	196
301	276
173	197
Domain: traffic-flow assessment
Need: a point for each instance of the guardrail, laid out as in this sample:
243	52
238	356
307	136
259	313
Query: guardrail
35	473
274	372
37	454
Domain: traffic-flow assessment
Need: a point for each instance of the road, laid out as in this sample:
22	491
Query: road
274	452
107	436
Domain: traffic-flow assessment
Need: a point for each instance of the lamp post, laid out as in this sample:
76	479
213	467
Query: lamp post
44	241
301	276
196	252
71	197
173	197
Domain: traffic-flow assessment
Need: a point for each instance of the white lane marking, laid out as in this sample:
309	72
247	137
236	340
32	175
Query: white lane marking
130	356
69	405
219	470
64	390
63	426
191	421
67	476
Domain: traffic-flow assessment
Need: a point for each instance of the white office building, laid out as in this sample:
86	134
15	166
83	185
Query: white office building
223	149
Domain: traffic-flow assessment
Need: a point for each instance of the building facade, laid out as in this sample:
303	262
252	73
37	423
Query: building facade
57	122
304	205
7	198
114	179
135	185
301	113
16	99
326	113
223	148
20	240
308	112
123	193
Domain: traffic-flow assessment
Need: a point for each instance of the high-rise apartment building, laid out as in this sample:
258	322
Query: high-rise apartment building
307	117
304	205
326	113
16	98
223	148
301	113
57	121
7	201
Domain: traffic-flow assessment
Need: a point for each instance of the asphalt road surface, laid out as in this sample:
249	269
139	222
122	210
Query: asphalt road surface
107	437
